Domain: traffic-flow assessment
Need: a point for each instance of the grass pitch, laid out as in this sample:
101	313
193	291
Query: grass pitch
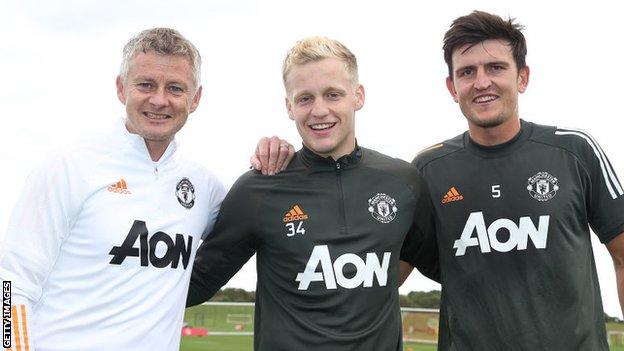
245	343
240	318
216	343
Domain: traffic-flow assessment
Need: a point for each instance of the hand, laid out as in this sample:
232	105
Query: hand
272	155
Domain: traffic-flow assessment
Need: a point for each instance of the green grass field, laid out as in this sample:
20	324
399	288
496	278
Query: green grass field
245	343
216	343
615	326
240	318
221	318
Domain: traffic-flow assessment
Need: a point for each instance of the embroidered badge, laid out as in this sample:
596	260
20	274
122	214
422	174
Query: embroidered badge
185	192
543	186
382	207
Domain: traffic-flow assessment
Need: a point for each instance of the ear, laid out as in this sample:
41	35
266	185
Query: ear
121	90
196	99
289	108
359	97
523	79
451	88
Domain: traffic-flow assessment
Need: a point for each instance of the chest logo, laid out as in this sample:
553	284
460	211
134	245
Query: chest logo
121	187
348	270
542	186
158	250
293	220
295	214
382	207
452	195
185	192
502	235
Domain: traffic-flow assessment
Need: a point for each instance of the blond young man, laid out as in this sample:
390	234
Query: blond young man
329	231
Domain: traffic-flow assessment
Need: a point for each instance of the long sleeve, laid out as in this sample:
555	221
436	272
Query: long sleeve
420	246
40	223
227	248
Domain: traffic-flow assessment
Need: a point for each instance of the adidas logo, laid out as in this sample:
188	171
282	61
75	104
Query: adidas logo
295	214
452	195
120	187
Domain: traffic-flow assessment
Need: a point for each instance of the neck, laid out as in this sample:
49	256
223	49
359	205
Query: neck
490	136
335	154
156	149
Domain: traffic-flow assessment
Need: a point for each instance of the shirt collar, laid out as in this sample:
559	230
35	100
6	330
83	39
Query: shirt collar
526	129
137	145
310	158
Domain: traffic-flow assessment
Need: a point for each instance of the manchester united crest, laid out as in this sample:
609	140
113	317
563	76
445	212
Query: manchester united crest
185	192
382	207
542	186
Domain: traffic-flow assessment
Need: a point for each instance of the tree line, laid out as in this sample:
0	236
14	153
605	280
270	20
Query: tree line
420	299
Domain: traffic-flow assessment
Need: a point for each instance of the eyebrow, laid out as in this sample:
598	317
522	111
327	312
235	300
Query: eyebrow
143	78
300	94
490	63
501	63
340	90
150	79
325	91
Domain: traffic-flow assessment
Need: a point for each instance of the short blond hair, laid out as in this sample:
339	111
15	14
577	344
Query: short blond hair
161	41
314	49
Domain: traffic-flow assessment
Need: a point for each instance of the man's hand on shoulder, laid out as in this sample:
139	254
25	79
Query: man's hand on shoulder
272	155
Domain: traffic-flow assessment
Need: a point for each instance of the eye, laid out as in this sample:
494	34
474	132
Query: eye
302	100
176	90
334	95
145	86
465	72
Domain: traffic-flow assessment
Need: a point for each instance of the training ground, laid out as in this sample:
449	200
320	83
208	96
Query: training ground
230	328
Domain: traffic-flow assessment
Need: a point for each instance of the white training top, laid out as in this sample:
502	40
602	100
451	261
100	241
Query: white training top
102	242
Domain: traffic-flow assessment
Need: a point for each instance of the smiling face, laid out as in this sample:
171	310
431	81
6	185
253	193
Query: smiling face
159	94
322	99
486	83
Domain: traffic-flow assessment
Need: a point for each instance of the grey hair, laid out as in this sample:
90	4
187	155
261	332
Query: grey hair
162	41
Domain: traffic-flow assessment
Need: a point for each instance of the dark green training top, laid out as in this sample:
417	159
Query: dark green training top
516	260
328	237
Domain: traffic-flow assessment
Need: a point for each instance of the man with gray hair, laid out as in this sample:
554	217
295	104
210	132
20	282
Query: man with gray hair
97	251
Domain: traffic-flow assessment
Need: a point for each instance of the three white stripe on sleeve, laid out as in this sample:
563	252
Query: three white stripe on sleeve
611	179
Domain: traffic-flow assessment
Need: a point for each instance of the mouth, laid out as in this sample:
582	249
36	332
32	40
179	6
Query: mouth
321	126
484	99
156	116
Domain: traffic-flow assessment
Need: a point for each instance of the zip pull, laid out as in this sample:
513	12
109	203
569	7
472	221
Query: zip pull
156	171
338	166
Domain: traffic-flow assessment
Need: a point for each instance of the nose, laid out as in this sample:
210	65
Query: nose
319	109
158	98
482	80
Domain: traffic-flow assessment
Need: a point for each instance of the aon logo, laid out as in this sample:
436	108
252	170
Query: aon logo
332	273
180	249
488	239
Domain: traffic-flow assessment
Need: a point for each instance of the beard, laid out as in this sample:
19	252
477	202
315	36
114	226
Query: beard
487	123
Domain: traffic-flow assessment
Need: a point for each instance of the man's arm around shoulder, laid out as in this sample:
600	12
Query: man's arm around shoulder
228	247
